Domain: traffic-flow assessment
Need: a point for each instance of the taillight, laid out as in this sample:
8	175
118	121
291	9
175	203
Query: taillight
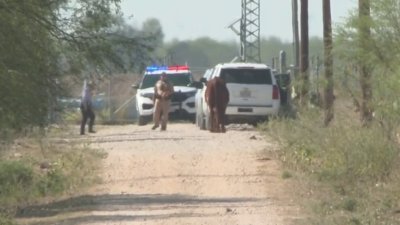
275	92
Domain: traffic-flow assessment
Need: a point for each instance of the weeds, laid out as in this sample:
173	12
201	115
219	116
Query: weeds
354	169
286	174
6	219
33	168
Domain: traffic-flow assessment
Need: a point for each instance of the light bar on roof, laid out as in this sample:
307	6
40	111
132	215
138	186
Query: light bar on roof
178	67
155	68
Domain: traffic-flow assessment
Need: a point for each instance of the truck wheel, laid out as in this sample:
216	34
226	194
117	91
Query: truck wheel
207	122
198	120
202	123
142	120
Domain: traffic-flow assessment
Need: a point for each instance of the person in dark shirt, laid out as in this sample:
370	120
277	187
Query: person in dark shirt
87	107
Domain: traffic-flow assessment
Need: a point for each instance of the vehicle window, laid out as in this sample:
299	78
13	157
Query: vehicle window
246	76
178	79
208	74
149	81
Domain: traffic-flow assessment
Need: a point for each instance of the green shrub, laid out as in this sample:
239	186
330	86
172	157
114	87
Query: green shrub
344	151
354	168
286	174
16	180
53	182
349	204
6	220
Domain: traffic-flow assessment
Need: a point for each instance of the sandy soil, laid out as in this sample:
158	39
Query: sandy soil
180	176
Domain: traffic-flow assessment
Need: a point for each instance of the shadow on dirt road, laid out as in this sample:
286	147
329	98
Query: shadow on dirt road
124	202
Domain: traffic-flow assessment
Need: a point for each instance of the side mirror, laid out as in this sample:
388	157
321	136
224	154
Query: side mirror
196	84
135	86
203	80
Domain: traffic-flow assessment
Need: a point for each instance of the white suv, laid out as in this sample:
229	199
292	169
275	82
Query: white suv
199	98
253	93
182	101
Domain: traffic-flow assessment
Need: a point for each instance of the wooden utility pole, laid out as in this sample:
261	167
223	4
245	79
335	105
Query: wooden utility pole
296	49
328	62
304	62
365	71
295	27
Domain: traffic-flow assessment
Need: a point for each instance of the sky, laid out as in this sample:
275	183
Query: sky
192	19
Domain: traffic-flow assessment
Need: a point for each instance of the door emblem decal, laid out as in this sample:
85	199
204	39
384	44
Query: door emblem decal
245	93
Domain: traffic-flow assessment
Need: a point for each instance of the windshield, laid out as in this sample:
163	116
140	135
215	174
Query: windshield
246	76
178	79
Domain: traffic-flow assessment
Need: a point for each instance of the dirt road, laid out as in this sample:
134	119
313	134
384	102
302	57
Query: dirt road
180	176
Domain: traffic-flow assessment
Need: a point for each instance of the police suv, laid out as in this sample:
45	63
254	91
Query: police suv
253	93
182	101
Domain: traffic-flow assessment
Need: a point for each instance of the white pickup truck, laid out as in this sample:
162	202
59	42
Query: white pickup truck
253	93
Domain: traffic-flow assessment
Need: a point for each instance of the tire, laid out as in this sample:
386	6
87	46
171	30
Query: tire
203	124
198	120
142	120
207	122
193	118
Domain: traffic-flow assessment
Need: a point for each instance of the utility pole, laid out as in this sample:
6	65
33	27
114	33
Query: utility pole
295	26
249	31
304	62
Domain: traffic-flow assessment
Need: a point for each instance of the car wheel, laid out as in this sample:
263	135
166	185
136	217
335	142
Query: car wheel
142	120
202	124
198	119
193	118
207	122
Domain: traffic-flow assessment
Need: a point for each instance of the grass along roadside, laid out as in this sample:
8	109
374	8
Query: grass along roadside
34	169
347	174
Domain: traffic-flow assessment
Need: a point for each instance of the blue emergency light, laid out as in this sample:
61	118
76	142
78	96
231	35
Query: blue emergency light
156	68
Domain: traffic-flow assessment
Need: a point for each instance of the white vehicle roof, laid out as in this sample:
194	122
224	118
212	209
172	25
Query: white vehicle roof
243	65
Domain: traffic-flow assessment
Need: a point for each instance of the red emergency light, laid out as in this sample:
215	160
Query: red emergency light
178	67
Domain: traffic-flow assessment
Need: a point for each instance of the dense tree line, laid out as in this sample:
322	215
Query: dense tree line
42	41
367	53
205	52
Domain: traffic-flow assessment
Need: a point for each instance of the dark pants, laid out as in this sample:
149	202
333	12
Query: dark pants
87	114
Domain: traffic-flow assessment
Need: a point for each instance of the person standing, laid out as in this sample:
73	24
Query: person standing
163	91
87	107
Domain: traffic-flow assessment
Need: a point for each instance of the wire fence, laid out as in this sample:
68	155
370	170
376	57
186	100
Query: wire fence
108	110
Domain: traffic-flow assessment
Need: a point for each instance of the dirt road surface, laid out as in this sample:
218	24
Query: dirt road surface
179	176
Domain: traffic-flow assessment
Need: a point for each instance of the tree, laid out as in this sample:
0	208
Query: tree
41	41
328	62
368	61
364	69
152	28
186	53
